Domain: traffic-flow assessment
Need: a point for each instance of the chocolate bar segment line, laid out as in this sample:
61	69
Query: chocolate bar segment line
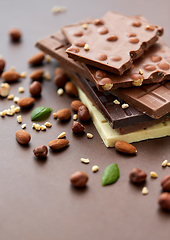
113	42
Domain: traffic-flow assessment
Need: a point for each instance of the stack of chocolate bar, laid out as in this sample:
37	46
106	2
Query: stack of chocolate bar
121	67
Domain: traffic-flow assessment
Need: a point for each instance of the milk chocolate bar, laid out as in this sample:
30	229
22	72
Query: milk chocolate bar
111	43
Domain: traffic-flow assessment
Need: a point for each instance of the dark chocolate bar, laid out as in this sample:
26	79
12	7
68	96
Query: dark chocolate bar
111	43
124	120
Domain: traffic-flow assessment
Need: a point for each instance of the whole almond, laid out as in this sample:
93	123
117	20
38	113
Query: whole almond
58	144
164	201
79	179
76	104
37	58
61	77
2	64
25	102
63	114
37	74
70	89
23	137
137	175
15	34
125	147
83	113
10	76
165	183
35	88
77	127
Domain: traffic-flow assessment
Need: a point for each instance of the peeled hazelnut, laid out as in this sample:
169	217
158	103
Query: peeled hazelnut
15	34
83	113
60	78
164	201
165	183
137	175
79	179
71	89
2	64
35	88
41	151
77	127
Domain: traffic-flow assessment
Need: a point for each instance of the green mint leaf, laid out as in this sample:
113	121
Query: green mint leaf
40	113
110	174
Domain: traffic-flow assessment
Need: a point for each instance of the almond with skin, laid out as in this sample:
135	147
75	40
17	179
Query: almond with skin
63	114
10	76
2	64
125	147
76	104
25	102
37	58
23	137
37	74
70	89
58	144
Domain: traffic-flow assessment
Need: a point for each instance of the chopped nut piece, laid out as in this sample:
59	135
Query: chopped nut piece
153	174
12	68
2	114
48	58
137	82
47	76
125	105
95	168
85	160
33	125
62	135
5	111
21	89
48	124
107	86
43	127
37	127
16	99
12	107
23	75
23	126
140	71
17	109
5	88
164	163
19	119
168	164
145	191
116	101
60	91
10	112
57	9
89	135
85	26
86	47
10	97
75	116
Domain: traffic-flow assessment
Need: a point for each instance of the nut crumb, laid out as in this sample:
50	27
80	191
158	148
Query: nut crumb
17	109
86	47
89	135
137	82
107	86
85	25
10	112
48	124
116	101
168	164
75	116
10	97
60	91
95	168
19	119
58	9
85	160
153	174
145	191
164	163
43	127
61	135
140	72
48	58
37	127
21	89
23	126
16	99
47	75
23	75
2	114
33	125
125	105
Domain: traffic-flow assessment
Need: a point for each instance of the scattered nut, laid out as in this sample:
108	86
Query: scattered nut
125	147
77	127
48	124
63	114
165	183
35	88
15	34
75	116
58	144
23	75
23	137
48	58
57	9
79	179
37	74
47	75
60	91
17	109
137	176
61	135
116	101
42	127
16	99
41	151
10	76
83	113
70	89
5	88
89	135
153	174
10	97
23	126
37	58
164	201
19	119
125	105
37	127
61	77
85	160
2	64
25	102
145	191
21	89
164	163
95	168
76	104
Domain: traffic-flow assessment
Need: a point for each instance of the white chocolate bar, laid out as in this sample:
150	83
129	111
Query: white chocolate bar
111	136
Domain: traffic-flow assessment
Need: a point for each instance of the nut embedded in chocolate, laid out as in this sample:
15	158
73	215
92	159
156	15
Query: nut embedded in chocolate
164	201
137	175
41	151
165	183
79	179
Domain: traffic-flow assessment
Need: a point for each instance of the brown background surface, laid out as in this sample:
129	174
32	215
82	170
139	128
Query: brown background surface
36	198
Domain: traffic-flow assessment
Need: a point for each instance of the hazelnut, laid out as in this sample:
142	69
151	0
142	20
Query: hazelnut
41	151
79	179
164	201
165	183
137	175
15	34
35	88
2	64
60	78
70	89
83	113
77	127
